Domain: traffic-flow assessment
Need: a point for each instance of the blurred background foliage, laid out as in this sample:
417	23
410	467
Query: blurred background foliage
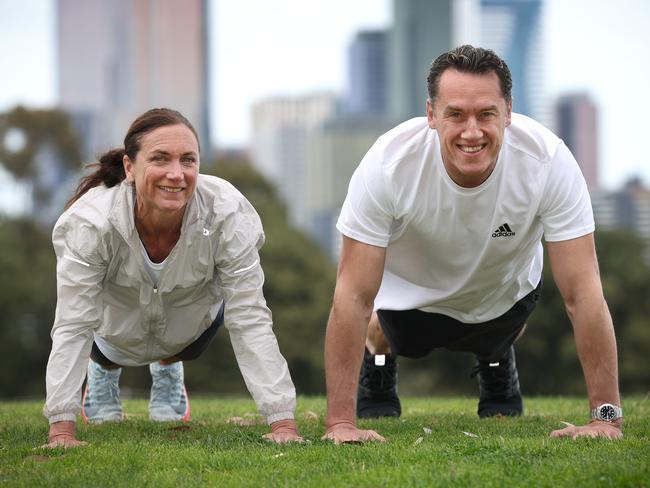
298	287
37	128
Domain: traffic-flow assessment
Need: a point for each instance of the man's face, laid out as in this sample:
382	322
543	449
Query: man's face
470	115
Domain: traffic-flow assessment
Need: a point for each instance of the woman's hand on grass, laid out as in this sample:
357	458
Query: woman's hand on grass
347	433
595	428
62	434
284	431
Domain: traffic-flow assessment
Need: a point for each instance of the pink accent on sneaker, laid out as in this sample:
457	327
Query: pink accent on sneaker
186	415
84	417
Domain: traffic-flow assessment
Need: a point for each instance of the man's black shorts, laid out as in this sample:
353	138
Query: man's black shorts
191	352
414	333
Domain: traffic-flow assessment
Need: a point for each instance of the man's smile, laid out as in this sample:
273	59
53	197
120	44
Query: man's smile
471	149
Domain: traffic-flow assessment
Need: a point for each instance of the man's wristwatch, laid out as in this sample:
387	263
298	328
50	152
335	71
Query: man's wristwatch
607	412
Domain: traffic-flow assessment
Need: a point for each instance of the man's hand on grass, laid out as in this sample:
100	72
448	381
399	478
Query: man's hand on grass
62	434
595	428
284	431
347	433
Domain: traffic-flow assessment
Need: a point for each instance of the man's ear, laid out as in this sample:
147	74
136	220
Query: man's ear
509	113
430	117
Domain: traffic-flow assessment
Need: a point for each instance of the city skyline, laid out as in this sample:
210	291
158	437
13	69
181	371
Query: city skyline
261	50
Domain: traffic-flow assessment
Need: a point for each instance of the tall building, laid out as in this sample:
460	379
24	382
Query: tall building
422	30
367	92
117	59
332	156
513	29
577	124
281	128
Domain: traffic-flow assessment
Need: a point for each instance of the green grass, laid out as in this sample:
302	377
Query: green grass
211	452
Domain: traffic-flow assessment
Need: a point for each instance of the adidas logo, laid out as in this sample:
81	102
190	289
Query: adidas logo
503	231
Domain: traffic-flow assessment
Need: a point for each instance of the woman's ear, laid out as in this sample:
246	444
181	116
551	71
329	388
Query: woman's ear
128	169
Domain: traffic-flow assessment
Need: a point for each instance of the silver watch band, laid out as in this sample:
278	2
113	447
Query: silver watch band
606	412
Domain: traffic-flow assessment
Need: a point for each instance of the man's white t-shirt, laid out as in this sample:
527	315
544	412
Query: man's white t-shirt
469	253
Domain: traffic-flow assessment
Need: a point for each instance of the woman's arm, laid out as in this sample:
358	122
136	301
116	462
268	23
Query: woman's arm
80	273
248	319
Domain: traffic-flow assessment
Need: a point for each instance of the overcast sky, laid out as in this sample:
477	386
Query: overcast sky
285	47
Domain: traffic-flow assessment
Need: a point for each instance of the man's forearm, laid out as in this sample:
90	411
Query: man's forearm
596	346
344	343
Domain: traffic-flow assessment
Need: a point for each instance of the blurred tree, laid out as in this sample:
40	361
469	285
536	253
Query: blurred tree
41	147
23	131
27	301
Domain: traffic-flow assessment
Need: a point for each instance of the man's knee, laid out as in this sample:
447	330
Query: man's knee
521	332
376	341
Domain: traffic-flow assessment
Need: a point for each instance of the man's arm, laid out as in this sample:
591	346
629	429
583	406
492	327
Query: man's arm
359	275
575	269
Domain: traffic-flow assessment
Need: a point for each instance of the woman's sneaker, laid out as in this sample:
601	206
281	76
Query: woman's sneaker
377	391
499	387
168	401
101	398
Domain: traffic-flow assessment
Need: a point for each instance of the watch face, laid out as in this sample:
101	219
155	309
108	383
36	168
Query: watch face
607	412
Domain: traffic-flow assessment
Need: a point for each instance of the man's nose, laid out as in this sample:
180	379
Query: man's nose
472	129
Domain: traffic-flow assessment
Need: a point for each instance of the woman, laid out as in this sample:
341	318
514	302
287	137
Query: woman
151	258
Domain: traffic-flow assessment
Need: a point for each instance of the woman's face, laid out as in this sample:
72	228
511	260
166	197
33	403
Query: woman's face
165	169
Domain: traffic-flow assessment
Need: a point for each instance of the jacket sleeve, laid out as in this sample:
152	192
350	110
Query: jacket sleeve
80	270
247	317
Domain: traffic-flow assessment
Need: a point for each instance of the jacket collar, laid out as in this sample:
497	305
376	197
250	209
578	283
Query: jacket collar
122	214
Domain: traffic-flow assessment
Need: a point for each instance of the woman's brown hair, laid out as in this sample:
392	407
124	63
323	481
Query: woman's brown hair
109	171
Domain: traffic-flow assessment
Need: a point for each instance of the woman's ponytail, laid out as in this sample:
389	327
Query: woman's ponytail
109	172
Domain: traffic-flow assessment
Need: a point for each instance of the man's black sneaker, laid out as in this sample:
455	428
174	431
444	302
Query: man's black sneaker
377	392
499	387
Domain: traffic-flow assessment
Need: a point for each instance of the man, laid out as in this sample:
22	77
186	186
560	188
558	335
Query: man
442	230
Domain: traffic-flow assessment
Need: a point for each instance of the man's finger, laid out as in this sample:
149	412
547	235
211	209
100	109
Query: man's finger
371	435
355	437
594	433
566	432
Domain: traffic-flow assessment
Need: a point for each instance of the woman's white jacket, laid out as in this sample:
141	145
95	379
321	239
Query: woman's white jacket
103	288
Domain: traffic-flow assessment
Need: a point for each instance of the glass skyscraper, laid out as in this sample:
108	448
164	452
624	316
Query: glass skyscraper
512	28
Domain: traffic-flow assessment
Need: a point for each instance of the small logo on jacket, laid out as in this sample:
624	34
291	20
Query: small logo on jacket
503	231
